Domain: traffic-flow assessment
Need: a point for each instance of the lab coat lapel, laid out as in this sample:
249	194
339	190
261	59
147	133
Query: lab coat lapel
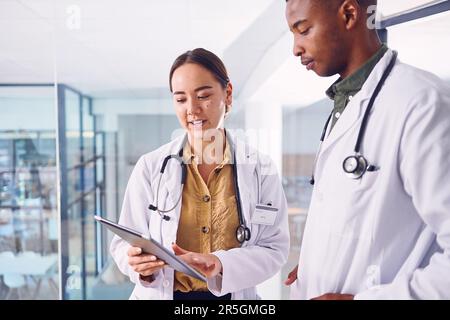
349	118
355	109
246	160
171	180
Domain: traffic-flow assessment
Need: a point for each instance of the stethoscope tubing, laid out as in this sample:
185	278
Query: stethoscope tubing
179	157
363	127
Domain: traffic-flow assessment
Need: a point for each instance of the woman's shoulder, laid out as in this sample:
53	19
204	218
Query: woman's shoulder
154	158
171	147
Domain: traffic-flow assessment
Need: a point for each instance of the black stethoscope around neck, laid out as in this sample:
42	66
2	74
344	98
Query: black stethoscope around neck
356	166
242	232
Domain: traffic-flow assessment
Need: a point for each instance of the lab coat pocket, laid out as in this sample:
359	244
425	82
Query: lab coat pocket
352	217
364	190
368	181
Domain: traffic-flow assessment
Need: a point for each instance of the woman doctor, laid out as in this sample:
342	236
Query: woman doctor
223	211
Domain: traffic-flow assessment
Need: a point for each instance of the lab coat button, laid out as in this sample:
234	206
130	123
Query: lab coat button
206	198
166	283
205	230
337	115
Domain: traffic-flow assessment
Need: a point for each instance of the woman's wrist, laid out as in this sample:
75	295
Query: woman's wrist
148	279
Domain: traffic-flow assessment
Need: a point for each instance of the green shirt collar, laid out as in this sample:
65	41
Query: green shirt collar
352	84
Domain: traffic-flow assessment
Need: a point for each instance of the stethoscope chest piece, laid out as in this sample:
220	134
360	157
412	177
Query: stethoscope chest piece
355	166
243	233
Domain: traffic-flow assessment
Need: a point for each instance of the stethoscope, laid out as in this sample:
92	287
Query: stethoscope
356	166
242	232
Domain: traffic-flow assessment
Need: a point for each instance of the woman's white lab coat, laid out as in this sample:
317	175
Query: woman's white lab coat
387	235
243	268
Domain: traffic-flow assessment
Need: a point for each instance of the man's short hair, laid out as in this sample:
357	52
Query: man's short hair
364	3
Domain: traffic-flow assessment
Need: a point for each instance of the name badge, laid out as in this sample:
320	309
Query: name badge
265	215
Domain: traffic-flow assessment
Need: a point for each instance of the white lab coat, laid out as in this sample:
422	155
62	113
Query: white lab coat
387	235
243	268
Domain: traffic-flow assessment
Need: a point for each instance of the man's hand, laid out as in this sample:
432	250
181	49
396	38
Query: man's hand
334	296
291	277
208	264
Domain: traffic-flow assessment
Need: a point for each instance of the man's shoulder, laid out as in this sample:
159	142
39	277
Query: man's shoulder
411	87
417	80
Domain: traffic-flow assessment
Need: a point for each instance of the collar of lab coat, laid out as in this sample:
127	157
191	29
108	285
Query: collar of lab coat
355	109
246	159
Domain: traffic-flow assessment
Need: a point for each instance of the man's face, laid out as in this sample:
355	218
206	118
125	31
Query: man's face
318	37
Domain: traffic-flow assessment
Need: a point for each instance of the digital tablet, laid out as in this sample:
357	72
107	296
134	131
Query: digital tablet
151	246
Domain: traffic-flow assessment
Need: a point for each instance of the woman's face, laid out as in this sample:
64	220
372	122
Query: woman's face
200	101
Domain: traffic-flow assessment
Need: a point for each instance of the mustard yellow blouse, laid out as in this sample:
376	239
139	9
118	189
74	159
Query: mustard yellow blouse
209	218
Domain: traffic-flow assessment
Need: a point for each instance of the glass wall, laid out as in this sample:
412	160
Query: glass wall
74	214
28	193
82	192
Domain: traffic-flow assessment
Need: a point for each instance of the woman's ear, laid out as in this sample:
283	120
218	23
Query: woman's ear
229	95
227	109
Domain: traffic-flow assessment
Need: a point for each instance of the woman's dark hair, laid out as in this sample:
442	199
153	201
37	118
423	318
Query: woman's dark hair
204	58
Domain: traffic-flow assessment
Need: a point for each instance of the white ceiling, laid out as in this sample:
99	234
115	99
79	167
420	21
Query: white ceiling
121	48
125	48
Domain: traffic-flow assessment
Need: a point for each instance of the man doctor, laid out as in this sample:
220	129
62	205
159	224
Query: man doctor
379	226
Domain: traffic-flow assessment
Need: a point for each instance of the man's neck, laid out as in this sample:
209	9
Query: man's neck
360	55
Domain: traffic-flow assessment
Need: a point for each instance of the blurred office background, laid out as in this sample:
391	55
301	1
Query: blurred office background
84	92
